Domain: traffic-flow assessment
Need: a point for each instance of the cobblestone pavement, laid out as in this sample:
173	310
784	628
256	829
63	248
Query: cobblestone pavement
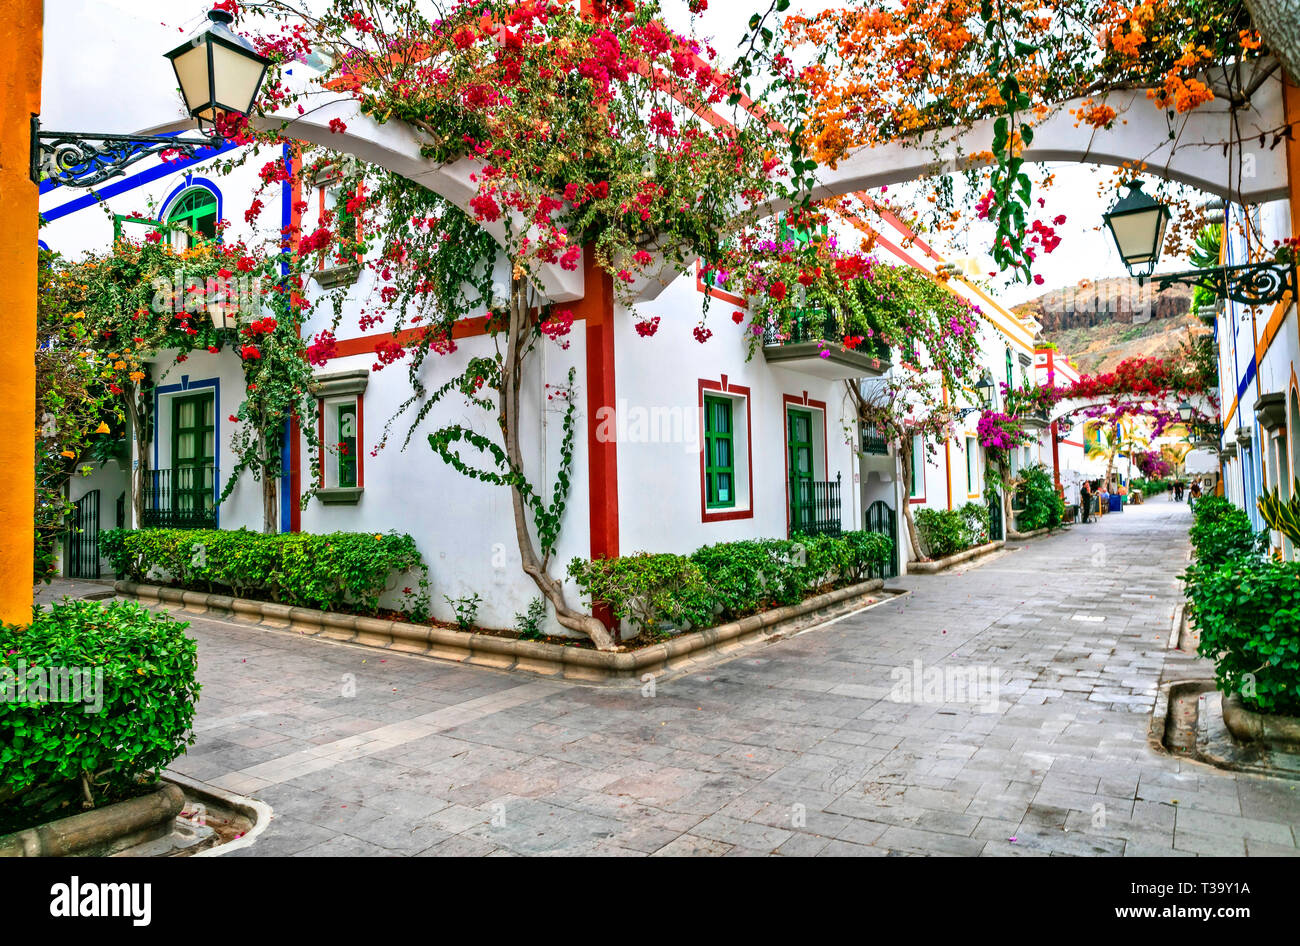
793	748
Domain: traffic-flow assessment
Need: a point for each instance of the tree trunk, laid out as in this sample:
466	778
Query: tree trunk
534	566
137	456
905	460
270	514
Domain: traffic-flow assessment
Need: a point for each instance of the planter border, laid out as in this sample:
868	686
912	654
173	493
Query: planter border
100	831
500	652
1031	534
258	812
941	564
1278	733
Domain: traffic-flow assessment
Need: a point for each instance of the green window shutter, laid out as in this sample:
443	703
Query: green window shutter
195	211
918	464
719	454
1011	383
346	426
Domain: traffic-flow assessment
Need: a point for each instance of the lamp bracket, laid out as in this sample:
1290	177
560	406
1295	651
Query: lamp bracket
1249	284
87	160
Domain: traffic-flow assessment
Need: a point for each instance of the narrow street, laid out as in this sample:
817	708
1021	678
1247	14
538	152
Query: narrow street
794	747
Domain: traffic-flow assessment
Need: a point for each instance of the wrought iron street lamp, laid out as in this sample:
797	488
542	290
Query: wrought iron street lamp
985	388
1185	411
219	73
1137	222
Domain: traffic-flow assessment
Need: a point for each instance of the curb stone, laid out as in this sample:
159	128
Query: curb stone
502	653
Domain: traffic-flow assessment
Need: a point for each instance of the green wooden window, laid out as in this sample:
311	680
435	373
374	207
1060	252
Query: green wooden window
802	498
1011	380
193	452
918	466
196	212
719	454
346	427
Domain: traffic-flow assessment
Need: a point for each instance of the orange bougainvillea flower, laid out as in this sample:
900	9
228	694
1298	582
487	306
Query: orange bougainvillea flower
136	376
102	428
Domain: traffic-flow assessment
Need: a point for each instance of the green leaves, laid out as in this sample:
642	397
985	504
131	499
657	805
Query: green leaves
723	582
1222	533
1247	611
340	571
1282	515
131	718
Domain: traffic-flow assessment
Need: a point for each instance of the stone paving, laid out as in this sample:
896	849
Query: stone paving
808	746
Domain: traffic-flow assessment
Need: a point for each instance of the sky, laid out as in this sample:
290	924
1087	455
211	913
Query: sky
128	86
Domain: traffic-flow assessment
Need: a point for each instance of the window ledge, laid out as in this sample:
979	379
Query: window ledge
336	276
340	495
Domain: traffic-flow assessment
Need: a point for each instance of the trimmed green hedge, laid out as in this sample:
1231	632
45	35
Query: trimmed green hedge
722	582
1247	610
341	571
1151	487
1221	532
1246	607
132	674
945	532
1044	508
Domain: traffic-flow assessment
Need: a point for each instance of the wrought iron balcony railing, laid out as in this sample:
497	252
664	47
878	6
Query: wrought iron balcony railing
816	325
873	442
180	498
815	507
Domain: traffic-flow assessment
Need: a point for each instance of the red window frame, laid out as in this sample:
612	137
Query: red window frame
722	386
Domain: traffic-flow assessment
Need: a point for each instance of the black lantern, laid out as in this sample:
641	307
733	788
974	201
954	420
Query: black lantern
1137	222
219	71
984	386
1185	411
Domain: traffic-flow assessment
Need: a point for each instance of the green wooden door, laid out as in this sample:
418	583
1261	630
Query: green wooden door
800	469
193	455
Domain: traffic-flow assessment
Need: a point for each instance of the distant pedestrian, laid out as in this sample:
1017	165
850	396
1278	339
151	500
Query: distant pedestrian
1085	500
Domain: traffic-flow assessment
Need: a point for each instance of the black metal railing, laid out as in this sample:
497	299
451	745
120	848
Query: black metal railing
881	519
995	515
816	325
815	507
182	498
83	537
873	441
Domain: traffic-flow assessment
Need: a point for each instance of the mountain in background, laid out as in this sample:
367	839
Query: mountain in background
1101	323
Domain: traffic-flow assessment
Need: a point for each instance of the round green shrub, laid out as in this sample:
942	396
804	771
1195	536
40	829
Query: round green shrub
94	699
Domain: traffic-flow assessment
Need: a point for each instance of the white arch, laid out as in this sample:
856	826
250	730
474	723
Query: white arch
1188	148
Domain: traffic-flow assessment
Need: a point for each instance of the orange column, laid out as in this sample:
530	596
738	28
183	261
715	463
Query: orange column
1291	103
20	99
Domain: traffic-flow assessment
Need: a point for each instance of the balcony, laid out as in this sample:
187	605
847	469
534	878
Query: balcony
815	345
1035	420
814	507
874	443
181	498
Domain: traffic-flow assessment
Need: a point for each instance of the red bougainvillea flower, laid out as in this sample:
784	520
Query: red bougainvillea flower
777	290
249	352
702	334
647	328
738	316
